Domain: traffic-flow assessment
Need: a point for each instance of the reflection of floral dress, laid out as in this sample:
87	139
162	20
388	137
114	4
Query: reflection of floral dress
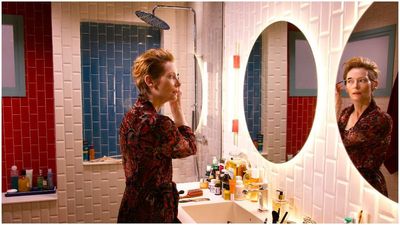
367	142
148	143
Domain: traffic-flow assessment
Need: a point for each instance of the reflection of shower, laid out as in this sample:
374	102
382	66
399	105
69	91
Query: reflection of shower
154	21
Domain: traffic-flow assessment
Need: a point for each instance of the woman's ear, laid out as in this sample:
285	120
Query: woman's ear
374	85
148	81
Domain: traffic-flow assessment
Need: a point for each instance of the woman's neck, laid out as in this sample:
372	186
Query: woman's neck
157	104
360	107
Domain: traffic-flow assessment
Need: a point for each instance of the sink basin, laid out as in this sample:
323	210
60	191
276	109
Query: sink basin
219	212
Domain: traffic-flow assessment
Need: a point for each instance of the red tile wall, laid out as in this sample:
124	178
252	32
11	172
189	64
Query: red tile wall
28	123
300	116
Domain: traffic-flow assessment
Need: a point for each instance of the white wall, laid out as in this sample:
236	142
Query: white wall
321	179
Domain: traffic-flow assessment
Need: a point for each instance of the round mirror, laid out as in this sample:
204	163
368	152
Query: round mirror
280	92
366	97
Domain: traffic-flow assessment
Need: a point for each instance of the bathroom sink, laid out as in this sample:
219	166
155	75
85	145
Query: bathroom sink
218	212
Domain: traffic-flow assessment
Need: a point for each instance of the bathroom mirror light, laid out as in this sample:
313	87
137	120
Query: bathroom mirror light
370	146
280	92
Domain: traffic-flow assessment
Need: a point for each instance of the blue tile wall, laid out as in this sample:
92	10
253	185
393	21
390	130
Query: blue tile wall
252	91
108	91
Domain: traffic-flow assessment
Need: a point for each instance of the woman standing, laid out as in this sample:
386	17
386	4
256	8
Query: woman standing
149	141
364	128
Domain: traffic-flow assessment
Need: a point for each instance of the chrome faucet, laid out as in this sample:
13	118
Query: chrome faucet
262	196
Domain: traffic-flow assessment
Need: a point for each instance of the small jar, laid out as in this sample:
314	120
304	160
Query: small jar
203	184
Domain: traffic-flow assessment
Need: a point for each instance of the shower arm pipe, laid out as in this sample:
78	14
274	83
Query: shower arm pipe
194	116
182	8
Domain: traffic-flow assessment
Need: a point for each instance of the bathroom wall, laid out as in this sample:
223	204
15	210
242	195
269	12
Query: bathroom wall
91	194
28	131
321	179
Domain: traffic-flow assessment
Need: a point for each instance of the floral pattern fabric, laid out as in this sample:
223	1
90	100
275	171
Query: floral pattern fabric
367	142
149	141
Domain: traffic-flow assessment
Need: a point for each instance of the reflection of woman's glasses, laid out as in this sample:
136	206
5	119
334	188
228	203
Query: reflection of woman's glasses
351	82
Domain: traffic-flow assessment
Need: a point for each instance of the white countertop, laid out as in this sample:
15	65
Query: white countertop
246	204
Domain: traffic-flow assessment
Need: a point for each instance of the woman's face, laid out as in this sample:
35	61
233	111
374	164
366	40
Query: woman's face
358	85
167	86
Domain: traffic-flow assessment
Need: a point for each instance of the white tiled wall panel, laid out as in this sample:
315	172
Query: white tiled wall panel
338	188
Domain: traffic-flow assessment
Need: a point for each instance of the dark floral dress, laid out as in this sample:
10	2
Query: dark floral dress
149	141
367	142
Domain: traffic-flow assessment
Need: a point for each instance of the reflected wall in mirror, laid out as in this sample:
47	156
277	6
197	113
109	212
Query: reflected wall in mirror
280	92
366	100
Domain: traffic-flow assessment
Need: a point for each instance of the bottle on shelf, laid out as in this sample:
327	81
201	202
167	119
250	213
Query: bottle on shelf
14	177
50	179
45	187
85	151
23	182
91	153
40	180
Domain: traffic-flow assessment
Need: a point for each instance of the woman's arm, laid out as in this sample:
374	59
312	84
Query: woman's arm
177	142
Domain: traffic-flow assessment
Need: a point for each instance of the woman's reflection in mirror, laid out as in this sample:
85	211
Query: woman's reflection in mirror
365	129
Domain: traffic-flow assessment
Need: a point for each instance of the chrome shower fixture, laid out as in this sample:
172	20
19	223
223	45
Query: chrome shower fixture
152	20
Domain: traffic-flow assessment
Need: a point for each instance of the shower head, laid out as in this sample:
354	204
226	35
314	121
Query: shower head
152	20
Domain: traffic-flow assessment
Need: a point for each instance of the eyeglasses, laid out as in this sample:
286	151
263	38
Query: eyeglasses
351	82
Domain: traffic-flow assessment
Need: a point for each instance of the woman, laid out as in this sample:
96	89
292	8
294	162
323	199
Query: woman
364	128
149	141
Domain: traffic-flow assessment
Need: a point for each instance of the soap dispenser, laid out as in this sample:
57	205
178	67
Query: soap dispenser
280	203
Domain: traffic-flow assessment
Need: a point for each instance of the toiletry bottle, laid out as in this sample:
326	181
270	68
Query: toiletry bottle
246	182
85	151
232	188
230	165
91	153
239	190
221	164
29	174
14	177
45	187
211	186
40	180
23	182
226	195
50	179
280	202
214	165
254	184
218	186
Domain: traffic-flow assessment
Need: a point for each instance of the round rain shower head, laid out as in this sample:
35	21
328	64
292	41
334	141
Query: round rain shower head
152	20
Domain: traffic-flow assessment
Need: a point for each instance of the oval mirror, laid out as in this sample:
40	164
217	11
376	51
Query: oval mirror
280	92
366	97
